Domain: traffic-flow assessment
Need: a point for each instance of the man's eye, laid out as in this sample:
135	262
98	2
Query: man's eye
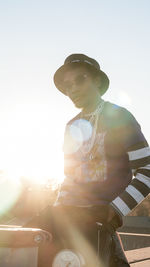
81	78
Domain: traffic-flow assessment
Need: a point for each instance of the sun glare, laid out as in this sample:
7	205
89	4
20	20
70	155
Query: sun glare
76	134
31	147
10	191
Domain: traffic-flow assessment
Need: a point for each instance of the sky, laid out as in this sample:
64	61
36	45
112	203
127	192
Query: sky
35	38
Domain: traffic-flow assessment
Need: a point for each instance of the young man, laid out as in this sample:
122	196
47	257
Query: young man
107	159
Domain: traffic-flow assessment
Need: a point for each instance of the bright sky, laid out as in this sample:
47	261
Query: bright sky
36	37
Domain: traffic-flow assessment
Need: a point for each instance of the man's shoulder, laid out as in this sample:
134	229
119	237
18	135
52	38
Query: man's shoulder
117	116
114	110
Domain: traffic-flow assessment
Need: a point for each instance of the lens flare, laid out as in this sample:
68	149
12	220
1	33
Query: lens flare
85	128
10	190
76	134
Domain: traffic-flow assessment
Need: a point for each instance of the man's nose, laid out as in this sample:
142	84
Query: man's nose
74	87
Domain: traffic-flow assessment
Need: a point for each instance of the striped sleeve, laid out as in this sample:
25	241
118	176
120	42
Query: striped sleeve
139	159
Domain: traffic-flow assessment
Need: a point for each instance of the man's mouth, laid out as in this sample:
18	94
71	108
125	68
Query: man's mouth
77	98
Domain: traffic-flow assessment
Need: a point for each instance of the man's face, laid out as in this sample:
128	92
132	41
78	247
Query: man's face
80	86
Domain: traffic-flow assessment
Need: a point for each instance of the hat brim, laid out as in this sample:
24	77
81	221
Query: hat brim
59	76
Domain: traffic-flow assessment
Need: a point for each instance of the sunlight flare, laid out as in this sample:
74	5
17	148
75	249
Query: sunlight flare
10	191
76	134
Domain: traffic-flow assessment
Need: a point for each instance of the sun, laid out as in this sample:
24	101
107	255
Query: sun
32	146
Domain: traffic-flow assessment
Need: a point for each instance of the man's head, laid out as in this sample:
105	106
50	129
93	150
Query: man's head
81	79
81	86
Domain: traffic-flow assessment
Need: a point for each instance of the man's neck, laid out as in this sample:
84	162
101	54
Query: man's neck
92	106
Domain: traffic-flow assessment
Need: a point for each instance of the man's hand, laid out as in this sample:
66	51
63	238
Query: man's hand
114	219
111	214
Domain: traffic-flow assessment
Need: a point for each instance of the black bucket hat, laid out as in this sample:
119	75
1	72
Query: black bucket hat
81	60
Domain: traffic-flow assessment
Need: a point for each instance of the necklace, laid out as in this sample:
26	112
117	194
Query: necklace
93	119
97	110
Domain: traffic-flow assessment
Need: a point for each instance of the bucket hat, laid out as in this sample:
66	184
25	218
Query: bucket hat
81	60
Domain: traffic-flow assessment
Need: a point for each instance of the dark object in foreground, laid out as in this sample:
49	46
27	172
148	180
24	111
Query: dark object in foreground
71	237
78	239
31	247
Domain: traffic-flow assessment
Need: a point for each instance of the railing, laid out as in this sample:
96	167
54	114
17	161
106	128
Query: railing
135	236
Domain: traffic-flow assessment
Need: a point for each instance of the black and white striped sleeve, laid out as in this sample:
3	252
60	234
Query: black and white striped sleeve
139	158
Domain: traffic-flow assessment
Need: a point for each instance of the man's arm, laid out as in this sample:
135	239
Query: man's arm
138	152
139	187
